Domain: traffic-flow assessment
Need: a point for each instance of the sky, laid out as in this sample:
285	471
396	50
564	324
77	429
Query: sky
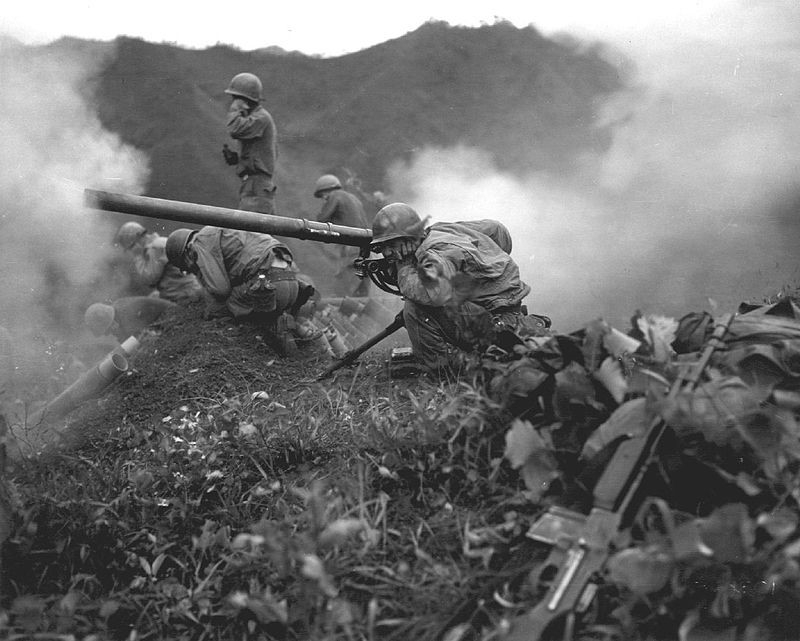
695	198
329	28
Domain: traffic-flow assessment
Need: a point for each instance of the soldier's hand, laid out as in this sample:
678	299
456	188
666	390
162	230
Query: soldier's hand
231	157
239	105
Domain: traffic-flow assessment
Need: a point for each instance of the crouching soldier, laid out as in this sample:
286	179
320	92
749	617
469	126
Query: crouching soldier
458	279
150	264
247	275
125	316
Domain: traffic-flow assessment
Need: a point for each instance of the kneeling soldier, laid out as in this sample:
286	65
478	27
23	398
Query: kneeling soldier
247	275
459	282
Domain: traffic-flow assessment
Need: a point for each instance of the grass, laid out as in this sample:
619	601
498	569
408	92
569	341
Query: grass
258	504
234	518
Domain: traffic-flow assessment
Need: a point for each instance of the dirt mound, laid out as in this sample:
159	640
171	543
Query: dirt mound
185	358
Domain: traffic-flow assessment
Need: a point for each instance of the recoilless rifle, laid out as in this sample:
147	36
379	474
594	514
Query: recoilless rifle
380	271
582	544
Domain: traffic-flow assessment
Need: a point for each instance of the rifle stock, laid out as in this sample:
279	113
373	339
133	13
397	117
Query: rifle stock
354	353
582	544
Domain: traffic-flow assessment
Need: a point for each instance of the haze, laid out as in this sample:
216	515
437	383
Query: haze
696	198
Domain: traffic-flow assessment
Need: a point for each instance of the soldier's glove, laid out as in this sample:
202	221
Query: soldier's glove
231	157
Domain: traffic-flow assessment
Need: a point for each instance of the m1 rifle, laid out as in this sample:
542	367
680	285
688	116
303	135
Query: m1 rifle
582	544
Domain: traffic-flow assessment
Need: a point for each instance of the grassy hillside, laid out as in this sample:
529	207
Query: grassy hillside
525	99
219	491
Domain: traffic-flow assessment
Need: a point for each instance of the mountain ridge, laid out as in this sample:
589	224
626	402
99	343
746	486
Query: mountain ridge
526	100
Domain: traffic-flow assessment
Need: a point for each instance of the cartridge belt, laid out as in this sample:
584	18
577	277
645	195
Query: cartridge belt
276	274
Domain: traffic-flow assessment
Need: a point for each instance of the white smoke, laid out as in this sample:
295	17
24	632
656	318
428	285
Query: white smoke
696	197
53	145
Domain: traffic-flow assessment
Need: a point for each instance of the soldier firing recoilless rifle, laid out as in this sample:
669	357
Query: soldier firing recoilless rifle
487	244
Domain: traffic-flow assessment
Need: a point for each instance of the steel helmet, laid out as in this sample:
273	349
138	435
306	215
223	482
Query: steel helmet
246	85
128	234
397	220
326	182
98	318
176	246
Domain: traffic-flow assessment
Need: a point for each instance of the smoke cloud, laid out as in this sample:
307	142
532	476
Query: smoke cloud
52	145
696	198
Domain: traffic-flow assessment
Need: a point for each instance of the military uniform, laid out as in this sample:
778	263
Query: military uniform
460	283
152	268
258	150
236	269
343	208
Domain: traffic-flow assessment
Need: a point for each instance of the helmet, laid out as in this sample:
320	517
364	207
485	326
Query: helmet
245	85
128	234
176	246
397	220
98	318
326	182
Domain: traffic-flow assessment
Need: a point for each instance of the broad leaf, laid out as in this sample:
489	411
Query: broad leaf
729	532
628	420
641	570
522	440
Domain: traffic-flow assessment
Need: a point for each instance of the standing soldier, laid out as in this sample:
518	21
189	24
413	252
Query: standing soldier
340	207
458	279
151	266
252	125
249	276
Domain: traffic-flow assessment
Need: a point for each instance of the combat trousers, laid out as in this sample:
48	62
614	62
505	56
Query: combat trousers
257	193
437	334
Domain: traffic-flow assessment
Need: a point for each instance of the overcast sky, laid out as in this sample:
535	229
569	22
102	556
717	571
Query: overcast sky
336	27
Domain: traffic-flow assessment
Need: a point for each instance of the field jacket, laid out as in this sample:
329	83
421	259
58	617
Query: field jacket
258	138
343	208
460	262
230	257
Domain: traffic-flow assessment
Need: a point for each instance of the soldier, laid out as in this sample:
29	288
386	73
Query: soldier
126	316
247	275
340	207
459	282
253	127
150	264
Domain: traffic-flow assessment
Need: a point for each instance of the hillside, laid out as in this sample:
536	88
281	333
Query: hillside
525	99
219	491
